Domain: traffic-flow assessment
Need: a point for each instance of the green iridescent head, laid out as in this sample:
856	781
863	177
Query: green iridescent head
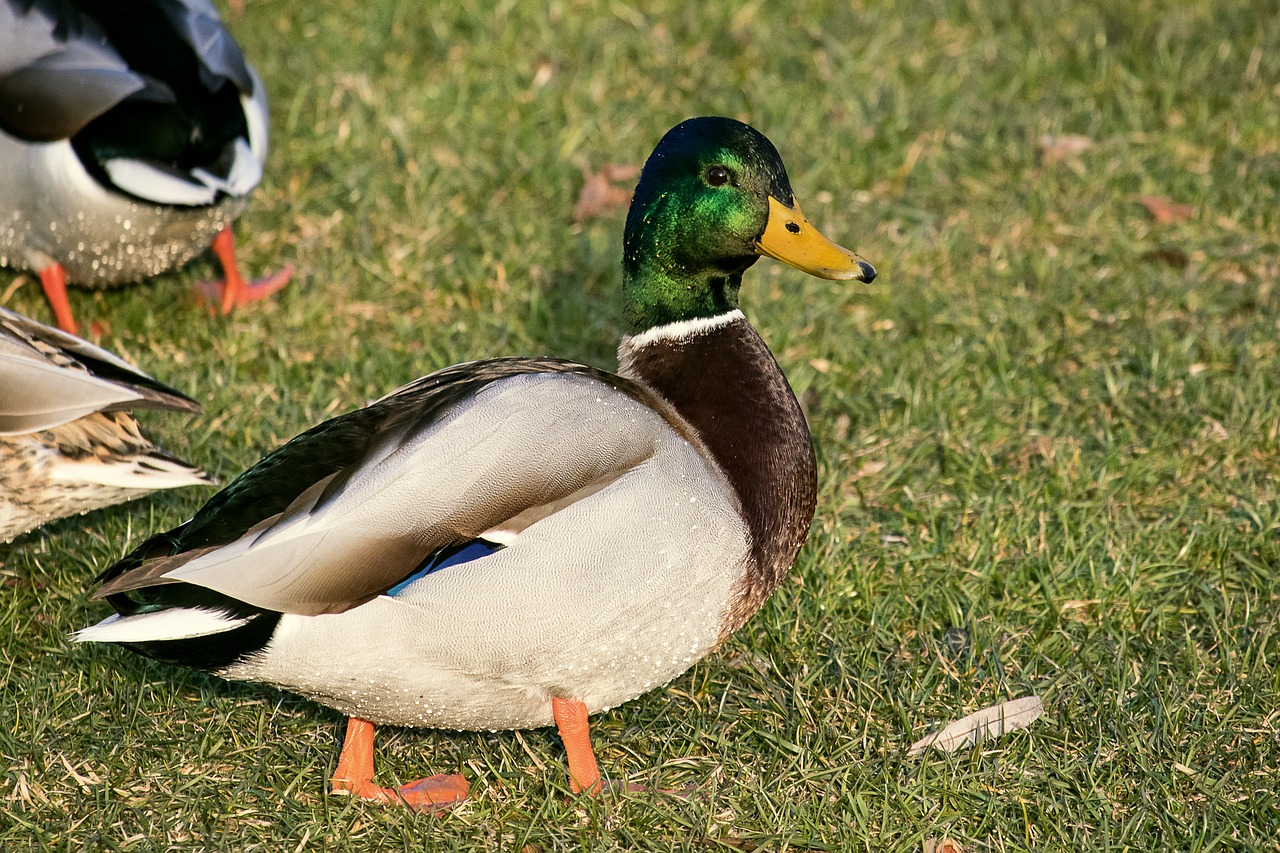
712	198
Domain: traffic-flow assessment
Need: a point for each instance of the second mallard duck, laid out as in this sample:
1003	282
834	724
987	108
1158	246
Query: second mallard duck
131	135
521	542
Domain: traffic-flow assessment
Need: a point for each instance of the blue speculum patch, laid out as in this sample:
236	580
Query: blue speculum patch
446	557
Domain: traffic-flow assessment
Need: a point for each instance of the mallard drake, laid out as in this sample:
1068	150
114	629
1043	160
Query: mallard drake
131	135
67	441
521	542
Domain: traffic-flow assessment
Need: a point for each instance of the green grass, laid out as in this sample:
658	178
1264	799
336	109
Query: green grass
1049	433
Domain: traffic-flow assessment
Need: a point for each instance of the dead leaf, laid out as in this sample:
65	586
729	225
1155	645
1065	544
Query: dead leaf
621	171
1163	210
942	845
1041	447
542	76
1078	604
1054	149
1213	430
983	725
842	426
599	193
870	468
1171	255
446	157
364	310
82	780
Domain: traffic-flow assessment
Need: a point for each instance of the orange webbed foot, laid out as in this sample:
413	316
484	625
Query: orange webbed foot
354	776
234	291
435	793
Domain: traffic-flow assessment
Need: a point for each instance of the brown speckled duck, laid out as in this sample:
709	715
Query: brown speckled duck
68	444
131	136
521	542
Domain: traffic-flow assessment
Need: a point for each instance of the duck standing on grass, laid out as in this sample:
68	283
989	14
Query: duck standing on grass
68	444
131	134
521	542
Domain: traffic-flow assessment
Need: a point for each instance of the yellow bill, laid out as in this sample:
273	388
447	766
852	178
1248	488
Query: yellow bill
791	238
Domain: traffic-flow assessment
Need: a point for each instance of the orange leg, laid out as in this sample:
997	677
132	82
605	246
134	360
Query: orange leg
54	279
234	289
571	720
584	774
355	776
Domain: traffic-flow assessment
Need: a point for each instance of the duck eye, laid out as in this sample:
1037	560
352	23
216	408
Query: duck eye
717	176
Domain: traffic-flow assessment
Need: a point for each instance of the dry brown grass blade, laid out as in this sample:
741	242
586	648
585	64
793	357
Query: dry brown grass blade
1054	149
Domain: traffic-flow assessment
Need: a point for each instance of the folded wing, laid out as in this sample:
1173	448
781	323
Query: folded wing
491	447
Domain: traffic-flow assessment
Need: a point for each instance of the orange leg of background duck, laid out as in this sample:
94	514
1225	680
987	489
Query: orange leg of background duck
54	280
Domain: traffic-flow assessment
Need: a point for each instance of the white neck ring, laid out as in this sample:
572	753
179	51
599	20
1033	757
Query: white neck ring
682	329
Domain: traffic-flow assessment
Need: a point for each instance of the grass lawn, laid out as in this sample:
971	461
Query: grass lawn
1049	433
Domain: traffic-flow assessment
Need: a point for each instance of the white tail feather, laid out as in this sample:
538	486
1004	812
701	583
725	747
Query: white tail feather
255	116
201	188
178	623
135	472
145	181
245	173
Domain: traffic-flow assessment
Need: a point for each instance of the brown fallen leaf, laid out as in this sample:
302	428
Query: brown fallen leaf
599	193
1163	210
1054	149
1170	255
983	725
621	171
942	845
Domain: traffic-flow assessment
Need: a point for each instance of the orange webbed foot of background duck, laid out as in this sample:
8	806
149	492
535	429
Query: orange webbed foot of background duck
234	290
